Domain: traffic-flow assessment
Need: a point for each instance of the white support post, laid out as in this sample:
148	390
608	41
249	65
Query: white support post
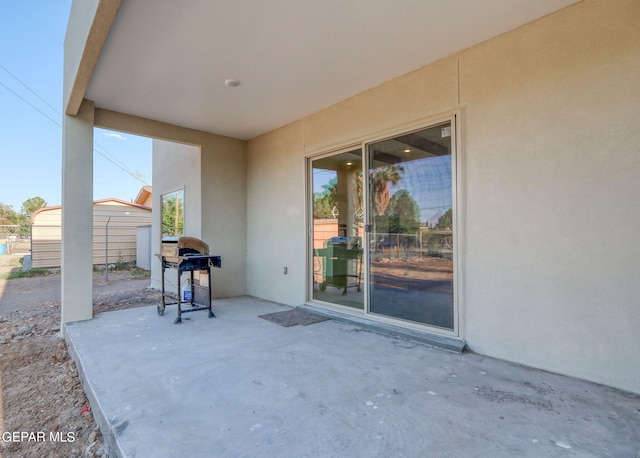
77	215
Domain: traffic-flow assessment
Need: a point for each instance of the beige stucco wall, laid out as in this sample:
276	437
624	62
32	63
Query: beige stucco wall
81	18
175	165
552	133
224	212
87	31
223	204
276	216
222	163
88	27
547	194
77	216
276	169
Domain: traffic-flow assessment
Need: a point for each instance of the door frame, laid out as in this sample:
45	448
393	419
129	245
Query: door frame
309	261
455	118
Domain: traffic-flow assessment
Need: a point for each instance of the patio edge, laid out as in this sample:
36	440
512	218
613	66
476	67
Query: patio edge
113	449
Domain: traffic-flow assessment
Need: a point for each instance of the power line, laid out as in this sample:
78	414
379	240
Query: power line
29	89
108	156
31	105
133	174
115	161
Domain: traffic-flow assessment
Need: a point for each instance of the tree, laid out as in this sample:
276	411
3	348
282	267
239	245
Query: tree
172	219
380	180
403	212
7	214
32	204
323	202
29	207
357	179
445	222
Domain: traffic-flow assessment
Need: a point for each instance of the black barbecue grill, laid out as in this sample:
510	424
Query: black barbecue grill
341	263
187	254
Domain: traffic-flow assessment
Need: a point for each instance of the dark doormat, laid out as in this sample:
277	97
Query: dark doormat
293	317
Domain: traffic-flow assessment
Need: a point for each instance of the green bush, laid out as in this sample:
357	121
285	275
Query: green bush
27	273
138	272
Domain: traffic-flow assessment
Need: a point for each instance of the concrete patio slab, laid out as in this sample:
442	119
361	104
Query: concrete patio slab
238	385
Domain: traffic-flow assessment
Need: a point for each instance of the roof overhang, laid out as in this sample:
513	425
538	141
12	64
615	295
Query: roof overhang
143	195
168	61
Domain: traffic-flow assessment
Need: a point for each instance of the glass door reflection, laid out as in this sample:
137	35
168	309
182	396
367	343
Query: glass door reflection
338	229
411	227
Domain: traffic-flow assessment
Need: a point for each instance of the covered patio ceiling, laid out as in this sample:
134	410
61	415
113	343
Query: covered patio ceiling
168	61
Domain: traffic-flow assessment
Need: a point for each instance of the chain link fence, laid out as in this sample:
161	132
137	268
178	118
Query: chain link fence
427	242
14	239
112	245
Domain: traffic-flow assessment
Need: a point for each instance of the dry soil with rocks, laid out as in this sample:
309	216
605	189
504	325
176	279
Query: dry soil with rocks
43	409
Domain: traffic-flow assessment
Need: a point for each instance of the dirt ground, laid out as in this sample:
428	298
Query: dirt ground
43	409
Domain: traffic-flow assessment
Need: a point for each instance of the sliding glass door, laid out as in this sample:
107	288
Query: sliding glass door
381	232
410	224
337	229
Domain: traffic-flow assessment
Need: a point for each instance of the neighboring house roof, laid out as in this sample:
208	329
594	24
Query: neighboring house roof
95	202
143	196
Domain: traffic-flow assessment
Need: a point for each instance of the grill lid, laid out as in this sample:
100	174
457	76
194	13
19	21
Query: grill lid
180	246
188	245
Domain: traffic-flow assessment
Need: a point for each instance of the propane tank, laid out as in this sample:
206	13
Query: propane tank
186	292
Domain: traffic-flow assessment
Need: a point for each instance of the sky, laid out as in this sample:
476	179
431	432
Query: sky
31	58
428	181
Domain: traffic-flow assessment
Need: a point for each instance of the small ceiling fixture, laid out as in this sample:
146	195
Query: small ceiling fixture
232	83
